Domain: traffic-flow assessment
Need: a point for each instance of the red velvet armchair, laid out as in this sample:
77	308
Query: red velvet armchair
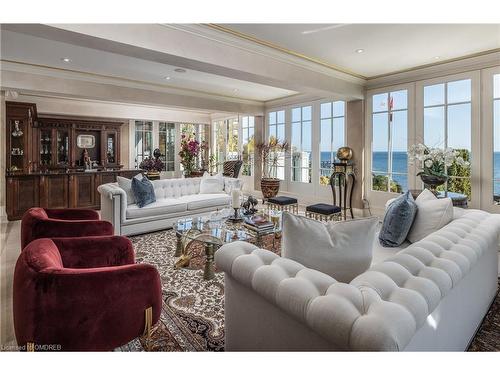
83	294
71	222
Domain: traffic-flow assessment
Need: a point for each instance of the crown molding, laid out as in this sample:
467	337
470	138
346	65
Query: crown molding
462	64
222	35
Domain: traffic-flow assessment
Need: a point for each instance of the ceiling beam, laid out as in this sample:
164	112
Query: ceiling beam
202	49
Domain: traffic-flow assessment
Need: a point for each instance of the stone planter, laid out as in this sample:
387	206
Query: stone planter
269	187
433	181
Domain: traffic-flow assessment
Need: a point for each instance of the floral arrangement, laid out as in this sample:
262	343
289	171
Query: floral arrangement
152	164
270	153
190	149
434	161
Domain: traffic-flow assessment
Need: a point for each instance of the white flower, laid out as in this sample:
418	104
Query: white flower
428	163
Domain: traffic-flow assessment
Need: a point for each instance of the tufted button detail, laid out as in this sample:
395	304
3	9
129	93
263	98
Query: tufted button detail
383	307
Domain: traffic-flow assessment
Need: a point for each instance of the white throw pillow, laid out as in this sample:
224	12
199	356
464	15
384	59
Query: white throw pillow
341	249
211	184
126	185
432	215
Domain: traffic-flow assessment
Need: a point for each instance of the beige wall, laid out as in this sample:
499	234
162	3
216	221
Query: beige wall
125	146
3	162
355	140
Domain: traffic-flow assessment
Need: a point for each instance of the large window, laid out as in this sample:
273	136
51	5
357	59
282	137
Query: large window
276	130
496	143
332	137
447	123
301	144
232	150
389	141
196	131
248	143
166	145
143	141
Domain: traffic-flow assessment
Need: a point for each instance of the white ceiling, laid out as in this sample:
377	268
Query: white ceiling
387	47
33	50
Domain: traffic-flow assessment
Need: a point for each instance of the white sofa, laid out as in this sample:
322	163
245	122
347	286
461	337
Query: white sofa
176	198
431	295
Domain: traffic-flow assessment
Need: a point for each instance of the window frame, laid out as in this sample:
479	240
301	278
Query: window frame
267	134
474	76
320	128
136	159
378	198
301	122
487	140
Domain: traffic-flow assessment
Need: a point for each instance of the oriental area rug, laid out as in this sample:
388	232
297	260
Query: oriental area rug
192	318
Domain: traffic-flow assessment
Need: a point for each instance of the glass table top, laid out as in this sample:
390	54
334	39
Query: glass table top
218	231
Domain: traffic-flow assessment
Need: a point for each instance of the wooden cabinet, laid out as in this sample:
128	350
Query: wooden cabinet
45	164
57	190
22	194
54	191
20	119
84	191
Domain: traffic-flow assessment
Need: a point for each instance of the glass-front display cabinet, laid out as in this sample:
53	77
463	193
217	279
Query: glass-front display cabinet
62	147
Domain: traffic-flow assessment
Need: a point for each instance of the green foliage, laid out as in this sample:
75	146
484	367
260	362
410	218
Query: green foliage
379	183
459	185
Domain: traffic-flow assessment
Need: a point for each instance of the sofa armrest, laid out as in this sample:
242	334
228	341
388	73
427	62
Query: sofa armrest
92	252
113	204
72	214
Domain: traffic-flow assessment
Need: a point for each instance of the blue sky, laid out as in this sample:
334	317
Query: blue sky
456	94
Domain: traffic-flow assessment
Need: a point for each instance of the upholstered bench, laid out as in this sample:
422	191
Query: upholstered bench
283	203
323	211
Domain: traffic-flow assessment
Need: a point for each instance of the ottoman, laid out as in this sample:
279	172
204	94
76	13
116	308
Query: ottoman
323	211
283	203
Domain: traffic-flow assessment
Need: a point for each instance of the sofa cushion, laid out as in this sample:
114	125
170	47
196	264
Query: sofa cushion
335	248
200	201
212	184
432	215
126	185
143	190
160	207
398	220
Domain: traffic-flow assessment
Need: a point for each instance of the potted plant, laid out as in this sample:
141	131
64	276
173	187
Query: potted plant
434	163
190	149
270	153
153	166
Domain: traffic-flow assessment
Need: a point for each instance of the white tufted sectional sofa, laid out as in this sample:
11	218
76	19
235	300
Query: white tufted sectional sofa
431	295
175	198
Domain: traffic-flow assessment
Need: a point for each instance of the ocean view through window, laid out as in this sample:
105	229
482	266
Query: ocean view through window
448	123
332	137
390	141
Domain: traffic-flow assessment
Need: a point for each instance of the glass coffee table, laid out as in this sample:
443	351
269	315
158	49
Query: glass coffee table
212	234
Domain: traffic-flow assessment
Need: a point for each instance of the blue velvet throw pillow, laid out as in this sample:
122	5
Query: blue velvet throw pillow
398	220
144	192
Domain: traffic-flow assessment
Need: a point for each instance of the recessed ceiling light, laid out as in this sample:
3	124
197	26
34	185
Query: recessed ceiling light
66	59
360	50
235	90
437	57
180	70
167	78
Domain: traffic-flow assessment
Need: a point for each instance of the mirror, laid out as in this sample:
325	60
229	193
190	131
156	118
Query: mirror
85	141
